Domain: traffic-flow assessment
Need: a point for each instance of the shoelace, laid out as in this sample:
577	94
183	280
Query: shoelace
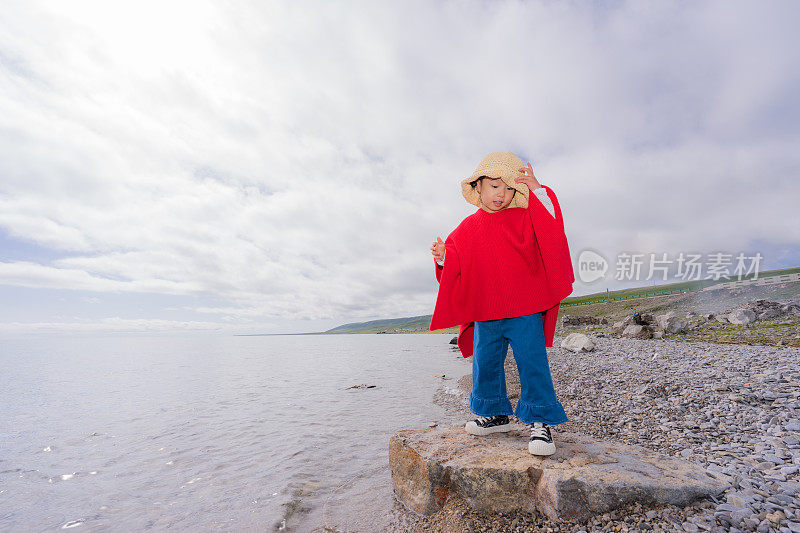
484	419
539	430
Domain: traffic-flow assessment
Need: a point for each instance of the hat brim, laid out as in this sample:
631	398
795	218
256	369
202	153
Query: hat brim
471	193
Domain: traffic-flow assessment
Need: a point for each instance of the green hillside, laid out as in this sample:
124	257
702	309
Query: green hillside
389	325
421	323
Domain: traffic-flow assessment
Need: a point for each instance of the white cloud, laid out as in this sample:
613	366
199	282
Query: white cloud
111	324
39	276
295	159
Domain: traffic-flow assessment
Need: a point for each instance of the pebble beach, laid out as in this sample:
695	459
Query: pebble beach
733	409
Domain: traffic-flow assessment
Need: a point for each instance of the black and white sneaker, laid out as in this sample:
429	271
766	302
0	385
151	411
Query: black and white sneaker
541	442
485	425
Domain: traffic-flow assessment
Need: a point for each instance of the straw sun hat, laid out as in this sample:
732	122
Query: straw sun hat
503	165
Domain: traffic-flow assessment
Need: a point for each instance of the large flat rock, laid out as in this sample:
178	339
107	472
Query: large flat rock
496	473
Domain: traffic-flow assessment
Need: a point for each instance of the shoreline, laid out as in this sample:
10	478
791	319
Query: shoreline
740	420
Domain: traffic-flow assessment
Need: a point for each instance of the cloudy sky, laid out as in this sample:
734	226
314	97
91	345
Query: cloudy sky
280	167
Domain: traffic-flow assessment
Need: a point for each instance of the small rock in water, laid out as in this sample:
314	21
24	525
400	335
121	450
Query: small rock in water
495	474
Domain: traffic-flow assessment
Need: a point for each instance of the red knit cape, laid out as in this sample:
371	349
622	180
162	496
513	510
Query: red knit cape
506	264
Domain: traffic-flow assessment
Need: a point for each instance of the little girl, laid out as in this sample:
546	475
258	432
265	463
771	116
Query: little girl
502	275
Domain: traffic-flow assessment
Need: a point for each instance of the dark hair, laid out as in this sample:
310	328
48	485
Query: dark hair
475	182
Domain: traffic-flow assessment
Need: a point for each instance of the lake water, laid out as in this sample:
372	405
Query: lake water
211	433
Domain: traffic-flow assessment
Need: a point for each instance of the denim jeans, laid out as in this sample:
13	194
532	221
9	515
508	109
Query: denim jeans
537	402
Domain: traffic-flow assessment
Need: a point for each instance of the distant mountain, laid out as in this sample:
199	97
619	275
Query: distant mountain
389	325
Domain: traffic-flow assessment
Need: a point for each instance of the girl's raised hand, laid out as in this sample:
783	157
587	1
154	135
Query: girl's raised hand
528	177
437	249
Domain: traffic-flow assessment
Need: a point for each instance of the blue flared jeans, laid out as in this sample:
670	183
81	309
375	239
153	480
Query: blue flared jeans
537	402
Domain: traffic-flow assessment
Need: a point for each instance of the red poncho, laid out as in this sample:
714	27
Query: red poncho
503	265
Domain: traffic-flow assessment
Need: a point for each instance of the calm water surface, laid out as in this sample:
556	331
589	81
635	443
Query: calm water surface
221	433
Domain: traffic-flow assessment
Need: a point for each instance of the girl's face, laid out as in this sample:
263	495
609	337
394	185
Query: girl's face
495	194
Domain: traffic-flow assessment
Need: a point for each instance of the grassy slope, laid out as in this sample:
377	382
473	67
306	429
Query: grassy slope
414	323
